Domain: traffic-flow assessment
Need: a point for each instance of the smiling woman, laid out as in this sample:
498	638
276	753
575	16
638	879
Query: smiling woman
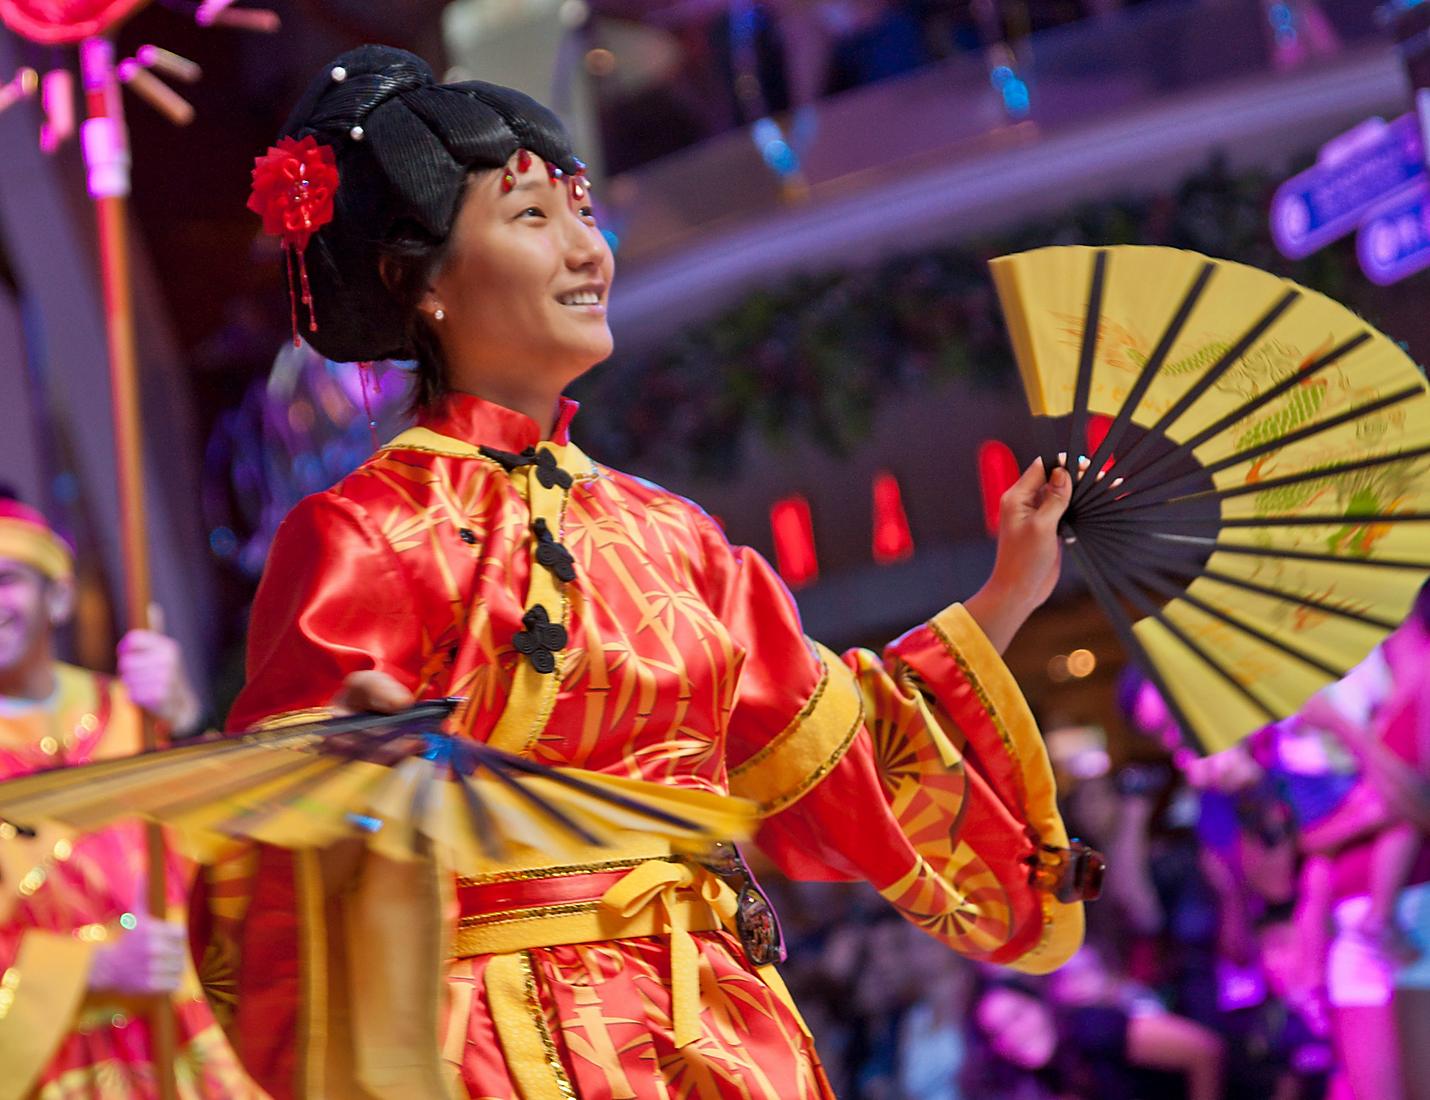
522	288
590	620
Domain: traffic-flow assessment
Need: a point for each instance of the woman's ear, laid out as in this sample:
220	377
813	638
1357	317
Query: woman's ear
391	273
399	279
430	305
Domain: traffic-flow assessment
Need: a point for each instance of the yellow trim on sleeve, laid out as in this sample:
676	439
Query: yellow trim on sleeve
988	677
294	718
1000	696
40	997
783	771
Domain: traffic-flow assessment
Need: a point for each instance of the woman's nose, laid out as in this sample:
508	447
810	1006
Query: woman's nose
584	244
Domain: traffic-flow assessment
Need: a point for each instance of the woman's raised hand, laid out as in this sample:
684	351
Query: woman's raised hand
1029	554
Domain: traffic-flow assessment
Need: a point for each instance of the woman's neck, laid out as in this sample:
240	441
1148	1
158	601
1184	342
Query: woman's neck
541	407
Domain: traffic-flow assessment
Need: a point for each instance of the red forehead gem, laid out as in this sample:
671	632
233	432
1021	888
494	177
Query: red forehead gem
523	160
578	189
508	181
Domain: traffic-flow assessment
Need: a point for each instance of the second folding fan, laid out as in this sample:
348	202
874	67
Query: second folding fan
1257	516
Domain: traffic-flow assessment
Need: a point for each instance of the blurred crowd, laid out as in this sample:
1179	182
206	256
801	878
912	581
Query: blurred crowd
731	64
1263	932
673	75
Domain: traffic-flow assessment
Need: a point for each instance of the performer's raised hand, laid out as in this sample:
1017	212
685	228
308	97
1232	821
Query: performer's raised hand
373	691
1229	771
1029	557
151	667
148	958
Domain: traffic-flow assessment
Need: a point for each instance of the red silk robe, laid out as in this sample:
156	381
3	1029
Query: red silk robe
919	770
60	897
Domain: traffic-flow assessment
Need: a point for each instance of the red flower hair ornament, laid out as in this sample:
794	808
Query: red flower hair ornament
293	188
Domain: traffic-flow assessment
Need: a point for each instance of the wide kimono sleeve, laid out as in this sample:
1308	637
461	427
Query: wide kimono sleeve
920	770
334	600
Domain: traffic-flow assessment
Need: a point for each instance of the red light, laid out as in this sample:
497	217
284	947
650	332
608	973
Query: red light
793	530
997	471
892	538
1097	428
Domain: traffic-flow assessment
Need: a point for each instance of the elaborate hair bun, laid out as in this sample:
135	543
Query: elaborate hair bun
404	145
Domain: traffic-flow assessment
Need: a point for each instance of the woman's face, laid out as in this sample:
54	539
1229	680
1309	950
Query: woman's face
1019	1028
524	286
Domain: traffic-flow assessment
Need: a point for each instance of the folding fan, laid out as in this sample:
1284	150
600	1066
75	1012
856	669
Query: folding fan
1255	519
397	780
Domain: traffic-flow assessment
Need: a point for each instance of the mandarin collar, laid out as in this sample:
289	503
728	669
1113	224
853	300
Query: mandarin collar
475	420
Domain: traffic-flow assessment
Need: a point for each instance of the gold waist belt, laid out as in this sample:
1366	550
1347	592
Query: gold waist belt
507	915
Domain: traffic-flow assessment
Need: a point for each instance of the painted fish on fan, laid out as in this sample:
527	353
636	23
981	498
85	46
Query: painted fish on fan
1297	409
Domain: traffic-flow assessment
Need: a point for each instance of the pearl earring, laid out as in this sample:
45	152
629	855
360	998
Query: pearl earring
439	314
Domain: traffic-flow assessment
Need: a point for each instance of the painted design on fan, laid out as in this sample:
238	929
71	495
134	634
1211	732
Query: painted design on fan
1300	583
1193	363
1250	668
1355	496
1121	348
1297	409
1266	364
1300	618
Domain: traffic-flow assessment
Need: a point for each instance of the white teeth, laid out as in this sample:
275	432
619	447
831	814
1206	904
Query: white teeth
580	298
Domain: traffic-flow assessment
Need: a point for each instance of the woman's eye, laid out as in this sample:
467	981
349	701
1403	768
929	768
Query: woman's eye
588	212
533	211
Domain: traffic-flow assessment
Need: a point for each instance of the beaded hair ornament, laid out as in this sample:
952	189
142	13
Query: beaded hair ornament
294	184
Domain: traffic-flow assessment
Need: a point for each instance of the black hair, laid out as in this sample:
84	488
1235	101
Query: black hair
405	146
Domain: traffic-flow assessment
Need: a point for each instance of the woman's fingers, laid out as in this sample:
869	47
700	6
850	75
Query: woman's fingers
1055	500
373	691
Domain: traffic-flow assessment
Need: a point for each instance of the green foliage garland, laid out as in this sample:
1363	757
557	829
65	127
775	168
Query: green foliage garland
815	354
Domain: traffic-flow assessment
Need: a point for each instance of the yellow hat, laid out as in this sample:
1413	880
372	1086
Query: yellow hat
26	537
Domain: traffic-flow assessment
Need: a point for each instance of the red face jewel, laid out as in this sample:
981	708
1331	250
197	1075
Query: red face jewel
508	181
523	161
553	172
578	188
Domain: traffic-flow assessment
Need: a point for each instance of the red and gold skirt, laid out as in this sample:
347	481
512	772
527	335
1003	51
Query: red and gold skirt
620	980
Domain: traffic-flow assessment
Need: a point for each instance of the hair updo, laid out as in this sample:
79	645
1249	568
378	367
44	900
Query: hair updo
405	145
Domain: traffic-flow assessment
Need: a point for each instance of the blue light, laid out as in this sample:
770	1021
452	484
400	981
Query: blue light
223	542
66	487
365	823
612	239
1015	97
780	157
764	131
770	140
1000	75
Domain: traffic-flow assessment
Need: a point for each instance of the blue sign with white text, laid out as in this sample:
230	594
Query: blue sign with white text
1375	163
1394	239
